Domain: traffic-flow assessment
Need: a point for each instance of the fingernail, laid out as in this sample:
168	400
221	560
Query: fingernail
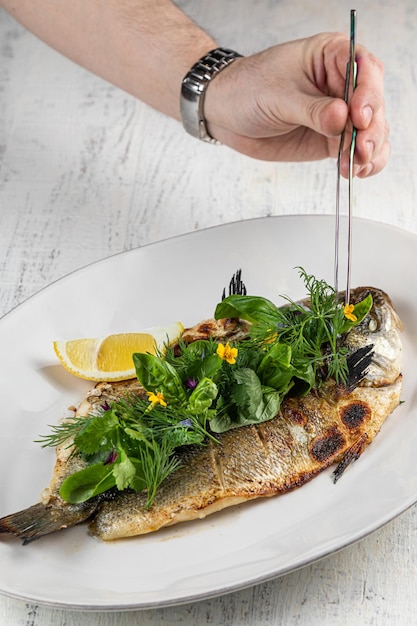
367	170
367	115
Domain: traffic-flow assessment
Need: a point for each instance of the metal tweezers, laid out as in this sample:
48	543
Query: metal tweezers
350	82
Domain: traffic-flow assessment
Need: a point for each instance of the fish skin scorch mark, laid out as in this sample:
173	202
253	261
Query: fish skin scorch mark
327	445
354	414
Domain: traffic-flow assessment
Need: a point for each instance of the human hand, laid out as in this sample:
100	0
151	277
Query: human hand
286	104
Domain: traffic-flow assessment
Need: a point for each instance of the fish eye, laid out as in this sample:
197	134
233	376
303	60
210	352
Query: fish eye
373	325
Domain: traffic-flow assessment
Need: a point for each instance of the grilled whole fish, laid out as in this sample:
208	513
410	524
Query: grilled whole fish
331	425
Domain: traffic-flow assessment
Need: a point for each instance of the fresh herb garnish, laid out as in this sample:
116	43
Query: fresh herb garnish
209	387
311	330
131	444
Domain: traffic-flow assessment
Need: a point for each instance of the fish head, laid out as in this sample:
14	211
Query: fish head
380	328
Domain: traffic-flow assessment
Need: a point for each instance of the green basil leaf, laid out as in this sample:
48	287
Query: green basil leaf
254	403
202	397
87	483
201	360
209	367
360	310
155	374
271	404
224	420
305	371
275	369
251	308
201	348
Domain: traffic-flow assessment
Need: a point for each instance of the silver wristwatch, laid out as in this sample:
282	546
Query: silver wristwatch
194	87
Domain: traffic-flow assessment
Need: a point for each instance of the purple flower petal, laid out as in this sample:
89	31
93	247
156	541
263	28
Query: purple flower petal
186	422
111	458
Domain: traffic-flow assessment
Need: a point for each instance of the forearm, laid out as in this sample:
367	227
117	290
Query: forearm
142	46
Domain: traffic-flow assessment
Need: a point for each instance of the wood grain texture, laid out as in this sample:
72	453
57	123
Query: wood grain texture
86	171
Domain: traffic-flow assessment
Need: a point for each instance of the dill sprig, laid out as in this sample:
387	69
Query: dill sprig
158	462
63	433
313	329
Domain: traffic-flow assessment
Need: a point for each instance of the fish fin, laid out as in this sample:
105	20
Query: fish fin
358	363
236	285
40	519
351	455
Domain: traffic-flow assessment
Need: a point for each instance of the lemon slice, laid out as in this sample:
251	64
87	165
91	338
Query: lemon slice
110	358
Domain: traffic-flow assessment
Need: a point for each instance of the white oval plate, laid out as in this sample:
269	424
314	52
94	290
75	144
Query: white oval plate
182	279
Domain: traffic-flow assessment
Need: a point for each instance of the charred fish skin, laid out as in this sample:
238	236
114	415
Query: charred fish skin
332	425
309	435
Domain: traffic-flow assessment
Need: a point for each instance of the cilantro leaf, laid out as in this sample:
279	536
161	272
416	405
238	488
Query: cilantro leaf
98	430
124	470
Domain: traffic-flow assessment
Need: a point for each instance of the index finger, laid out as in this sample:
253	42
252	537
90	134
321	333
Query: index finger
368	98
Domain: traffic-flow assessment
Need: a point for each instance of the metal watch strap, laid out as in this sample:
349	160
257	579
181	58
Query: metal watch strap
194	87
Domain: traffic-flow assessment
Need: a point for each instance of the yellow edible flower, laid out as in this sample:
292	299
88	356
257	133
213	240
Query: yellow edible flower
226	353
156	398
349	314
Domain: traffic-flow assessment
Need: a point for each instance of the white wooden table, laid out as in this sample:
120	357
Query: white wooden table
86	171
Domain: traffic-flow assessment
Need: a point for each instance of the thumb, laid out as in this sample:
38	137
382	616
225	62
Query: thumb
325	115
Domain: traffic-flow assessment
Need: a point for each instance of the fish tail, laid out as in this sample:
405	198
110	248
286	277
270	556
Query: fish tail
40	519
